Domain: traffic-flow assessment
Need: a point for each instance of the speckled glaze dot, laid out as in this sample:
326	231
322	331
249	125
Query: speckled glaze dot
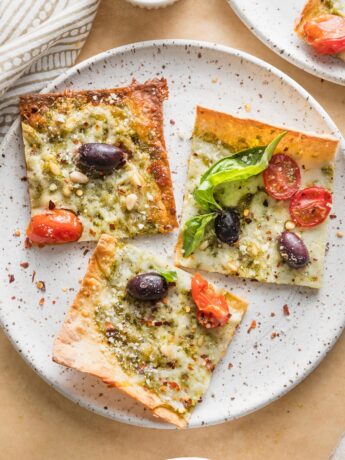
259	366
273	23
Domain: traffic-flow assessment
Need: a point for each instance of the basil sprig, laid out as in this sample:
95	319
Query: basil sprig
240	166
170	276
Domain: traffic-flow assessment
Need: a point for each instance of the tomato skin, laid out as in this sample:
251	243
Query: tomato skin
282	178
56	226
213	309
310	207
326	33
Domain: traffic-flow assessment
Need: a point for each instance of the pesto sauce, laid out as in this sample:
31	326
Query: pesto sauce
100	203
160	345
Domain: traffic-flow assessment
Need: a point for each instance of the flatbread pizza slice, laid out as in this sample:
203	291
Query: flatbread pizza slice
154	332
322	25
256	201
97	163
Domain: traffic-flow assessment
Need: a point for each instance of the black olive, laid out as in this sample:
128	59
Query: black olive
148	286
227	226
293	250
100	159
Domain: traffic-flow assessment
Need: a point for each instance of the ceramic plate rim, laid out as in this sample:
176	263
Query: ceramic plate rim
232	52
276	49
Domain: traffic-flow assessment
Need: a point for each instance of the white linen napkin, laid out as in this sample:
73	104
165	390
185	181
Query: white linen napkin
39	39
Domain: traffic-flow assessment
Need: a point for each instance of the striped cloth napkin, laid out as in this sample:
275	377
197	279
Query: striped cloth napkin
39	39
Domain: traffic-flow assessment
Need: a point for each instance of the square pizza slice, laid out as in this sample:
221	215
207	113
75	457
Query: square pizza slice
151	331
96	163
322	25
256	201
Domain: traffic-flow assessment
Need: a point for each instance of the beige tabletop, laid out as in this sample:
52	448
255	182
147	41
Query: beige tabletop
38	423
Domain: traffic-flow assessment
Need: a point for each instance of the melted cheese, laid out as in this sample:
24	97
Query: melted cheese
173	358
256	253
99	203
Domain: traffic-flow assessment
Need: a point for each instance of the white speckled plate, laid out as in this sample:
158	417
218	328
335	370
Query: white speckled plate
256	369
272	21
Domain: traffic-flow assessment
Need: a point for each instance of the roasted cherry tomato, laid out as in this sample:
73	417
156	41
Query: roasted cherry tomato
282	178
326	33
310	206
54	227
213	309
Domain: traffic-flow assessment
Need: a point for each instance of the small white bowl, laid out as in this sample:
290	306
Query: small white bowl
150	4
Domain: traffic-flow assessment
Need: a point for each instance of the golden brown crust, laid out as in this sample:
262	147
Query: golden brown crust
146	102
79	345
309	149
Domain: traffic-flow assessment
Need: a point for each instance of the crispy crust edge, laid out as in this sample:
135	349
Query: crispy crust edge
150	94
77	345
224	126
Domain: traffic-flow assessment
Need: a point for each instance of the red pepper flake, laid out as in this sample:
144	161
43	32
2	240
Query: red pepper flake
332	216
10	278
252	326
24	179
172	385
208	363
230	365
187	403
273	314
17	233
274	335
112	226
51	205
151	323
85	252
172	122
92	232
27	243
33	276
286	310
41	301
24	264
41	285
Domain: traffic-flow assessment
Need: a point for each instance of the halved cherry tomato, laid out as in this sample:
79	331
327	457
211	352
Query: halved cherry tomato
54	227
326	33
213	309
310	206
282	178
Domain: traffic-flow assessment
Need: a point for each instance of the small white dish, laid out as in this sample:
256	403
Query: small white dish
273	23
152	4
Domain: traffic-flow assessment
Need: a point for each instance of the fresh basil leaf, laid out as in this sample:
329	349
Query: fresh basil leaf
254	154
203	195
244	164
239	166
170	276
195	232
